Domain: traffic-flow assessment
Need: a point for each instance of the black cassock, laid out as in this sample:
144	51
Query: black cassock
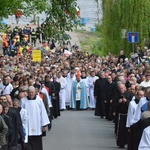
109	96
35	143
121	111
100	93
136	131
55	100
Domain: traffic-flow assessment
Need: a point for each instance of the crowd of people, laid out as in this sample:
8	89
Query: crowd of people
33	93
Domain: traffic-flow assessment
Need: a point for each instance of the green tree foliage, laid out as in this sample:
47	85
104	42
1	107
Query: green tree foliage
132	15
61	15
8	7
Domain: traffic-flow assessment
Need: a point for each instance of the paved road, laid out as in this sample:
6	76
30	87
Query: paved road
80	130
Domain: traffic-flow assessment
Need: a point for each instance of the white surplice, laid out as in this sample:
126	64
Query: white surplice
62	93
90	82
138	113
145	140
24	119
131	110
37	115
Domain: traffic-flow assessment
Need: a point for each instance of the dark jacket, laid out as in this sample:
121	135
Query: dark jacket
10	133
16	122
3	131
50	85
45	101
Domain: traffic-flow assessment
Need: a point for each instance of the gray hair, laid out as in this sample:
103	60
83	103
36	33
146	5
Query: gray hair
31	88
119	83
121	78
15	100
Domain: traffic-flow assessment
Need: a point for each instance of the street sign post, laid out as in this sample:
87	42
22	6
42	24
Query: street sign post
133	37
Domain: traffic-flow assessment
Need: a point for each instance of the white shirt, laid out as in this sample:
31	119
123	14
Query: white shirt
6	90
145	84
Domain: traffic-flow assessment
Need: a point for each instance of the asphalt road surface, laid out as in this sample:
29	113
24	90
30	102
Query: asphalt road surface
80	130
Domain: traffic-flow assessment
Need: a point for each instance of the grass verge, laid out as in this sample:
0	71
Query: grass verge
90	42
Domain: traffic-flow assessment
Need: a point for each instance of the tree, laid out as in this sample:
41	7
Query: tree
61	15
98	12
132	15
8	7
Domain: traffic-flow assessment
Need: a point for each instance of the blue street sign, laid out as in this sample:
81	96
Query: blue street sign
133	37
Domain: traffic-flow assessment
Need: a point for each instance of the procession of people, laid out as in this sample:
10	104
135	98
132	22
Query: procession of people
33	93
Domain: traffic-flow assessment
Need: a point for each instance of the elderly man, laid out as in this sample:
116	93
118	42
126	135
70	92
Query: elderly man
121	112
38	118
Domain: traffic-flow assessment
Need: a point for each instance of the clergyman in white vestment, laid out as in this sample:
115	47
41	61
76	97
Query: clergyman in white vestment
38	118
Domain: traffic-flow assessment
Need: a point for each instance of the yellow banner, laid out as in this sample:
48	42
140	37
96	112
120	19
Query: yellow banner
36	55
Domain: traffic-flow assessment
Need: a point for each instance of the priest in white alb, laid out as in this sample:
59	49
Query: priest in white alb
62	93
91	81
38	118
138	112
132	107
